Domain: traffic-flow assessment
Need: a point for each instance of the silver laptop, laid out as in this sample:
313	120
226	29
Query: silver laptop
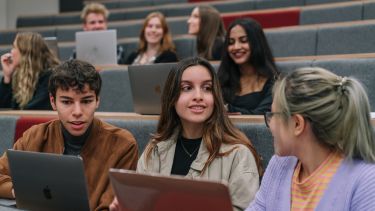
52	44
147	82
44	181
97	47
138	192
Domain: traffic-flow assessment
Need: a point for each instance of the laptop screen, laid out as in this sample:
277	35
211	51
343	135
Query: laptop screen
97	47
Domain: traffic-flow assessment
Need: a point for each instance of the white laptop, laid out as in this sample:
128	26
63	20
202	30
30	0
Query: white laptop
147	83
139	192
97	47
44	181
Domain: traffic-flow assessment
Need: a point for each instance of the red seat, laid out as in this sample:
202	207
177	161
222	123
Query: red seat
24	123
268	19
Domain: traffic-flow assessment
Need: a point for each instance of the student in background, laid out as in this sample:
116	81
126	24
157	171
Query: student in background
324	145
74	90
95	18
26	71
196	139
205	22
155	42
247	71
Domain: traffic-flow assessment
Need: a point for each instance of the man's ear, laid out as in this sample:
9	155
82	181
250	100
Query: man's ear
299	124
52	101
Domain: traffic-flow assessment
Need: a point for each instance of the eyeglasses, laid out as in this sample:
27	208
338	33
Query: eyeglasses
268	116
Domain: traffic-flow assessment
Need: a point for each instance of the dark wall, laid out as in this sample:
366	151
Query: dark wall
71	5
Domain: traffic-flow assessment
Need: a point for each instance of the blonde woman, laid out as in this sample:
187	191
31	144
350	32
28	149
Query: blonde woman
155	42
26	71
324	145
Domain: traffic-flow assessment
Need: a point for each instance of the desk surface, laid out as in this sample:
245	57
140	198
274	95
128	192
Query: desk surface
126	116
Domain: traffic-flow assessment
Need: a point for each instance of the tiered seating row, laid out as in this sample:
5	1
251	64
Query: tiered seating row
116	92
15	123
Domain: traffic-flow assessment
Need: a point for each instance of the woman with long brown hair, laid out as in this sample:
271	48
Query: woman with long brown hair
155	42
26	71
196	139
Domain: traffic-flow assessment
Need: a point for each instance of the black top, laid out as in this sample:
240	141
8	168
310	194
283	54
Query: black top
164	57
39	101
256	103
217	49
74	144
185	153
120	55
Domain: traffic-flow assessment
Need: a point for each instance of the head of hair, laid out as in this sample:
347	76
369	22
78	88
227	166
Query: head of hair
166	42
261	58
336	107
96	8
211	28
35	57
74	74
218	128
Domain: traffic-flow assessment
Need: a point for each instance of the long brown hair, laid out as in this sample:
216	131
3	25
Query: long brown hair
166	42
218	128
35	57
211	27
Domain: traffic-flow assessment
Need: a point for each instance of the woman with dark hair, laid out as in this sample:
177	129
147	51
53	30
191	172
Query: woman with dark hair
26	71
205	22
196	139
155	42
247	71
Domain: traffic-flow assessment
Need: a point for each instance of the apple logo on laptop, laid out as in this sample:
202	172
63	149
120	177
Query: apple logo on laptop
47	192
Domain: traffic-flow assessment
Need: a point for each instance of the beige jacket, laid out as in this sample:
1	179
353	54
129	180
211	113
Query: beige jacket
238	169
106	147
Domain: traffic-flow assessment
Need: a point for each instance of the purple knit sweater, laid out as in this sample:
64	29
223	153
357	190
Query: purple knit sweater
352	187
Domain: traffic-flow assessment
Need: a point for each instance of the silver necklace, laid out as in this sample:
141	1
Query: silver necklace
187	152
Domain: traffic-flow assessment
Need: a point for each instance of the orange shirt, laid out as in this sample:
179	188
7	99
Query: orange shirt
306	194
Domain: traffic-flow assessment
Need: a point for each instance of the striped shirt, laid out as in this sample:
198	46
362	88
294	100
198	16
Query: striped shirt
307	193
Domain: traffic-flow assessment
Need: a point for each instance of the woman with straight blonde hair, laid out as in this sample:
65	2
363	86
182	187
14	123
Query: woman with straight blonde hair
324	145
26	71
196	139
155	42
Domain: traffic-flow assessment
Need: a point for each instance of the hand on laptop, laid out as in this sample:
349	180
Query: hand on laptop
114	206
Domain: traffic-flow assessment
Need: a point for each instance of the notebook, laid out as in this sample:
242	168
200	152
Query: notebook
52	44
138	192
147	82
97	47
44	181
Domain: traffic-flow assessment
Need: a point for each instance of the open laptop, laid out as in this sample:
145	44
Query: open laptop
147	82
44	181
139	192
97	47
52	44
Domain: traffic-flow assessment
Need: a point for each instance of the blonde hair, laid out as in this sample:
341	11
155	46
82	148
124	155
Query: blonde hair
94	8
337	108
166	42
35	56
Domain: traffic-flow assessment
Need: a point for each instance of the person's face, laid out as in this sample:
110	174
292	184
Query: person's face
154	31
194	21
95	22
75	109
196	102
238	45
281	132
16	55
